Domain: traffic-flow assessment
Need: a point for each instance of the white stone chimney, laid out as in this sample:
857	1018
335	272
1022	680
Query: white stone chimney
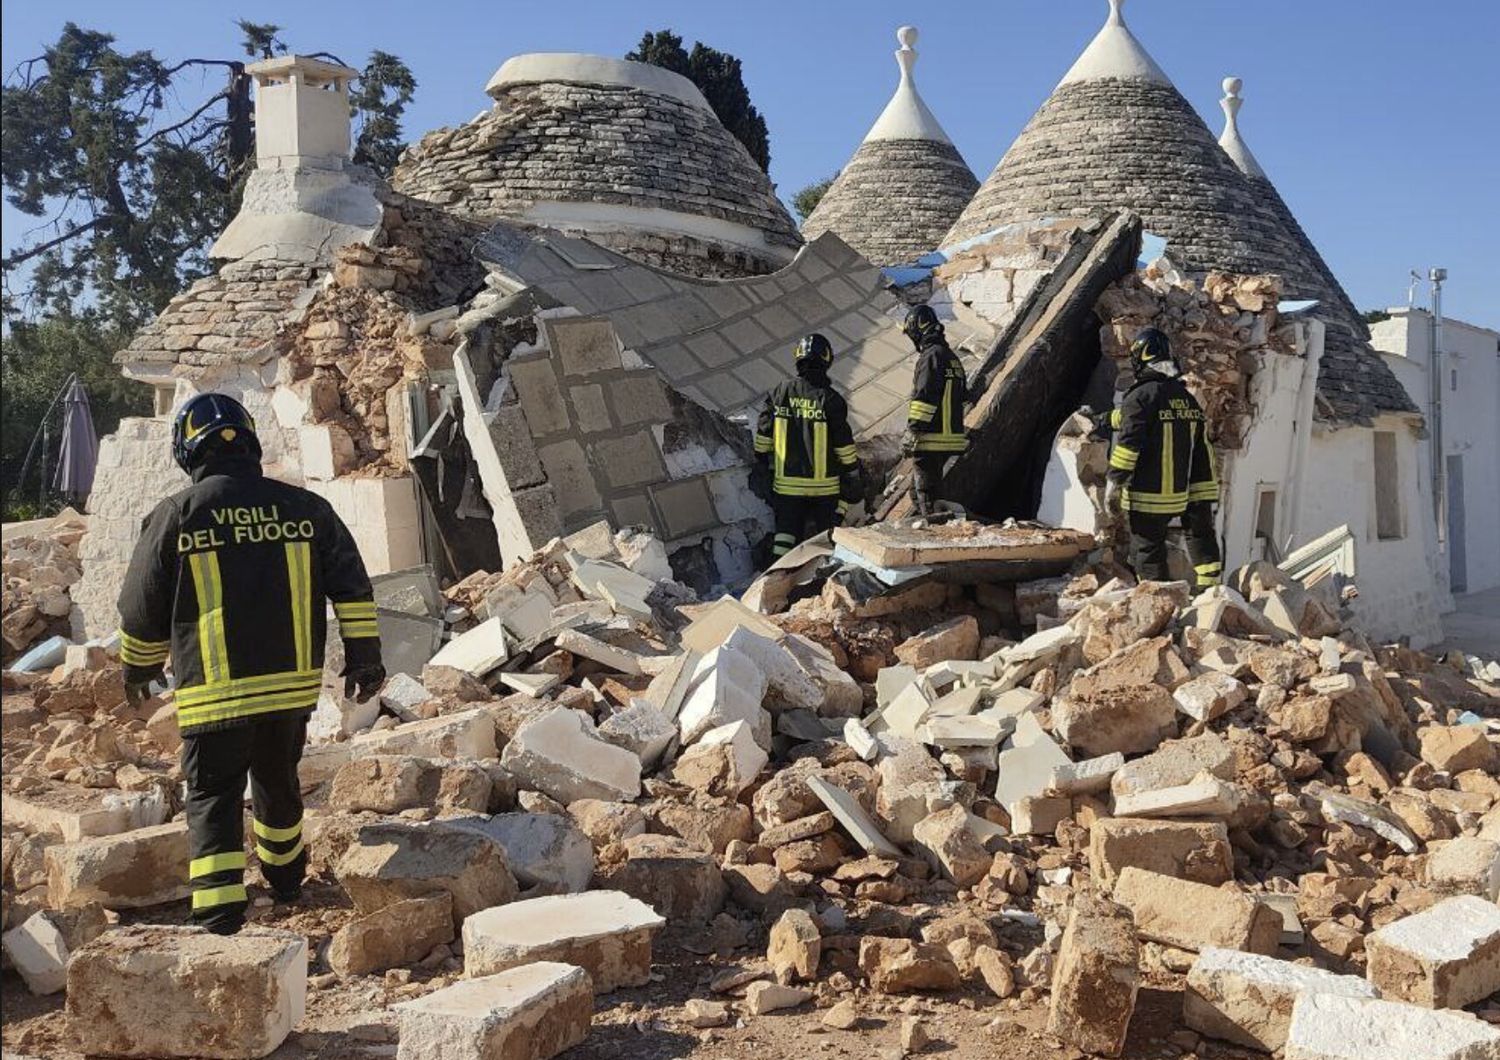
301	113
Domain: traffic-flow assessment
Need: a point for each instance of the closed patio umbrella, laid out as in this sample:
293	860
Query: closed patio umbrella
80	445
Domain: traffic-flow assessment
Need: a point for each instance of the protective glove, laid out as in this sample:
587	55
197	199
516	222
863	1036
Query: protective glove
362	682
138	685
1114	496
760	480
909	442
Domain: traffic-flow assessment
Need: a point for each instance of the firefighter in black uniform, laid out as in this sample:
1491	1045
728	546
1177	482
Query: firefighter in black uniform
935	417
803	444
1162	467
229	580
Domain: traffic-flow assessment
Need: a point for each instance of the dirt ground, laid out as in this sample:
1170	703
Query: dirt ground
349	1019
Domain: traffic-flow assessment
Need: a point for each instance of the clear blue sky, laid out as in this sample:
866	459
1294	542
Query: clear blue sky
1379	120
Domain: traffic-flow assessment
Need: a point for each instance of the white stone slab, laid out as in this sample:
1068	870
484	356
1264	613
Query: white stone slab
726	687
476	651
1331	1027
1026	762
1247	998
607	933
1086	777
1205	796
560	755
532	1012
859	824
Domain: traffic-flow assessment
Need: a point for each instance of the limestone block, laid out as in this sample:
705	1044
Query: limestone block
859	740
153	991
1207	697
901	966
1247	998
336	717
1176	762
543	850
145	867
725	760
1334	1027
393	861
75	813
1096	978
606	933
1446	956
1087	777
467	734
762	998
788	684
642	730
1206	796
1190	850
560	755
39	953
402	694
327	451
395	936
858	823
945	840
1456	748
476	651
1466	865
911	787
668	874
795	946
1039	814
955	638
529	1013
1191	915
726	687
1026	762
1130	719
579	643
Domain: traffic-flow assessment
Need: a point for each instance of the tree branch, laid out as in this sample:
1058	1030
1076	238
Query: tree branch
159	133
22	256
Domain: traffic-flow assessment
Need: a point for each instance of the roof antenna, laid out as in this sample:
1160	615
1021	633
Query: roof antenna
1232	143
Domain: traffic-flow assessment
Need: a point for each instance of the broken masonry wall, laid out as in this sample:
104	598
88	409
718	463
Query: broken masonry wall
612	441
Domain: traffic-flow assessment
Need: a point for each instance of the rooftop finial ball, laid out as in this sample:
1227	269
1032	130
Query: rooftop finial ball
906	36
1232	86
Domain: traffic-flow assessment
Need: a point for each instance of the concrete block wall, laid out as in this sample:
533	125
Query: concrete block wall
382	515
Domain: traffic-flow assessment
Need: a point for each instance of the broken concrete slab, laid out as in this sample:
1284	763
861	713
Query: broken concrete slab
590	647
1087	777
1041	646
606	933
402	694
141	868
1333	1027
1193	915
532	1012
1096	978
1209	696
186	973
1446	956
395	936
476	651
859	824
544	850
1190	850
393	783
396	860
1204	796
788	685
466	734
561	755
1247	998
893	544
641	729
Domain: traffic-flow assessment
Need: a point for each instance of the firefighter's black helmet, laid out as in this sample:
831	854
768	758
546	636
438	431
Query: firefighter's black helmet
1150	347
210	421
922	324
814	348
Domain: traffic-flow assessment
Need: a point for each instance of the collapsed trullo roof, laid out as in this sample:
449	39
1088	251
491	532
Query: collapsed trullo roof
630	154
906	184
1117	133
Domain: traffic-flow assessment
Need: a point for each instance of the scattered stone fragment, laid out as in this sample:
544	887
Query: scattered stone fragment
996	969
914	1036
1191	915
1087	777
543	850
468	734
1191	850
39	953
529	1013
1247	998
901	966
725	761
1456	748
1174	763
140	868
154	991
1205	796
796	946
560	755
642	730
1371	815
1130	719
762	997
395	936
677	880
703	1014
853	817
1209	696
1446	956
1096	978
1039	814
394	861
1466	865
1333	1027
606	933
956	638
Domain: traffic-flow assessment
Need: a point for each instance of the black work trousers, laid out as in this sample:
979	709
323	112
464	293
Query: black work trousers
799	518
1148	545
927	481
215	765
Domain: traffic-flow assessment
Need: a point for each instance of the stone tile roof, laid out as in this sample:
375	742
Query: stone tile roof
229	318
615	145
725	344
895	199
1103	143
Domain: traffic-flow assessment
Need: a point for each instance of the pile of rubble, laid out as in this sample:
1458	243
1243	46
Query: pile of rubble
939	760
1217	328
40	562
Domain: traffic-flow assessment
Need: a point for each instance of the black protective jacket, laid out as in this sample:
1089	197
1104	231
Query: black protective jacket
804	431
1161	454
939	389
230	578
